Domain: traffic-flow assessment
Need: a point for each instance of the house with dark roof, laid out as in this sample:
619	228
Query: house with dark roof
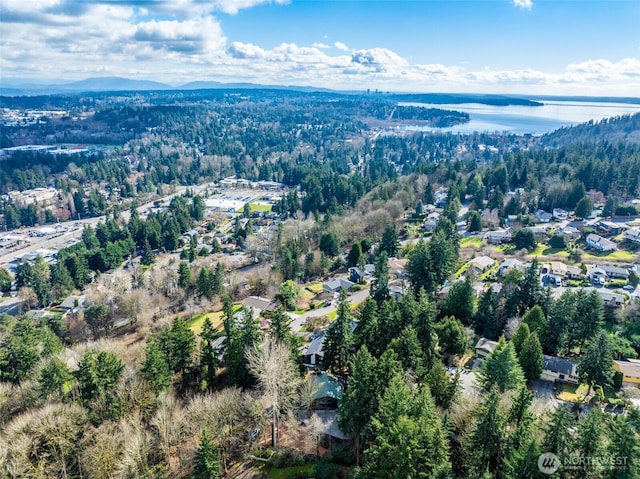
558	369
313	353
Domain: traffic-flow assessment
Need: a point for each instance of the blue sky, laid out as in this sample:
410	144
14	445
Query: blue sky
582	47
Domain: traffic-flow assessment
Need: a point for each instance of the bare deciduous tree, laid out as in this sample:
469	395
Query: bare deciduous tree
270	362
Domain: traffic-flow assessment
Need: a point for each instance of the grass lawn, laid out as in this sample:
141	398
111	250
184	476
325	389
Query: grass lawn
307	294
461	270
195	323
471	242
620	255
286	472
261	207
569	393
315	287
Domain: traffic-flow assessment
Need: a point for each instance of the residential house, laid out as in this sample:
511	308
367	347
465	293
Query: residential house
611	300
573	272
509	263
558	369
313	354
570	233
336	284
259	304
632	235
599	243
559	214
397	267
614	272
542	216
630	370
357	275
72	301
609	227
431	221
481	264
497	237
541	233
484	347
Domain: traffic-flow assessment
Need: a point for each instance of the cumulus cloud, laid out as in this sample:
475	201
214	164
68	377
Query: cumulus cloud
524	4
378	58
202	35
234	6
341	46
320	45
245	51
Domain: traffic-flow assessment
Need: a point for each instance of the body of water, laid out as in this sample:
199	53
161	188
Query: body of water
536	120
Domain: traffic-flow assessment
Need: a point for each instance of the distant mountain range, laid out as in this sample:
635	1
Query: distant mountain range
19	87
13	87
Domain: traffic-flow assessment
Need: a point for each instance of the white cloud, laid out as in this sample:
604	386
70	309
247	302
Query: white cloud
378	58
246	51
234	6
320	45
341	46
524	4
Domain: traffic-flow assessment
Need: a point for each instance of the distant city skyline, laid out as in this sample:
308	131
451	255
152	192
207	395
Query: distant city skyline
553	47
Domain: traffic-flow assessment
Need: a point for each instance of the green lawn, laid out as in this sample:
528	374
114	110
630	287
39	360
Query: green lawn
286	472
195	323
471	242
315	287
569	393
261	207
620	255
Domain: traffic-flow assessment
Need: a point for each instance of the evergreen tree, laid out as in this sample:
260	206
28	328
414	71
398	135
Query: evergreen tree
360	401
98	373
443	387
460	301
338	339
487	442
531	357
207	460
501	369
155	369
54	378
380	284
177	343
389	242
474	221
423	322
451	336
408	349
419	268
367	333
624	443
355	255
595	367
146	258
589	442
521	335
280	328
184	275
558	438
208	355
529	290
484	321
204	283
536	320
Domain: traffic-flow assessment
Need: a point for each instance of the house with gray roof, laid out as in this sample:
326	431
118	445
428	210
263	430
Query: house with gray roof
558	369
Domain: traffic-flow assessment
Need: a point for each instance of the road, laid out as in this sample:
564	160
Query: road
355	298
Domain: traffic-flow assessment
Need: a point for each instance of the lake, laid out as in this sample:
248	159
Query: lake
536	120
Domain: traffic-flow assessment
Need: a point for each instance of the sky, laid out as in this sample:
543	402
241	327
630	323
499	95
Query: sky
575	47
